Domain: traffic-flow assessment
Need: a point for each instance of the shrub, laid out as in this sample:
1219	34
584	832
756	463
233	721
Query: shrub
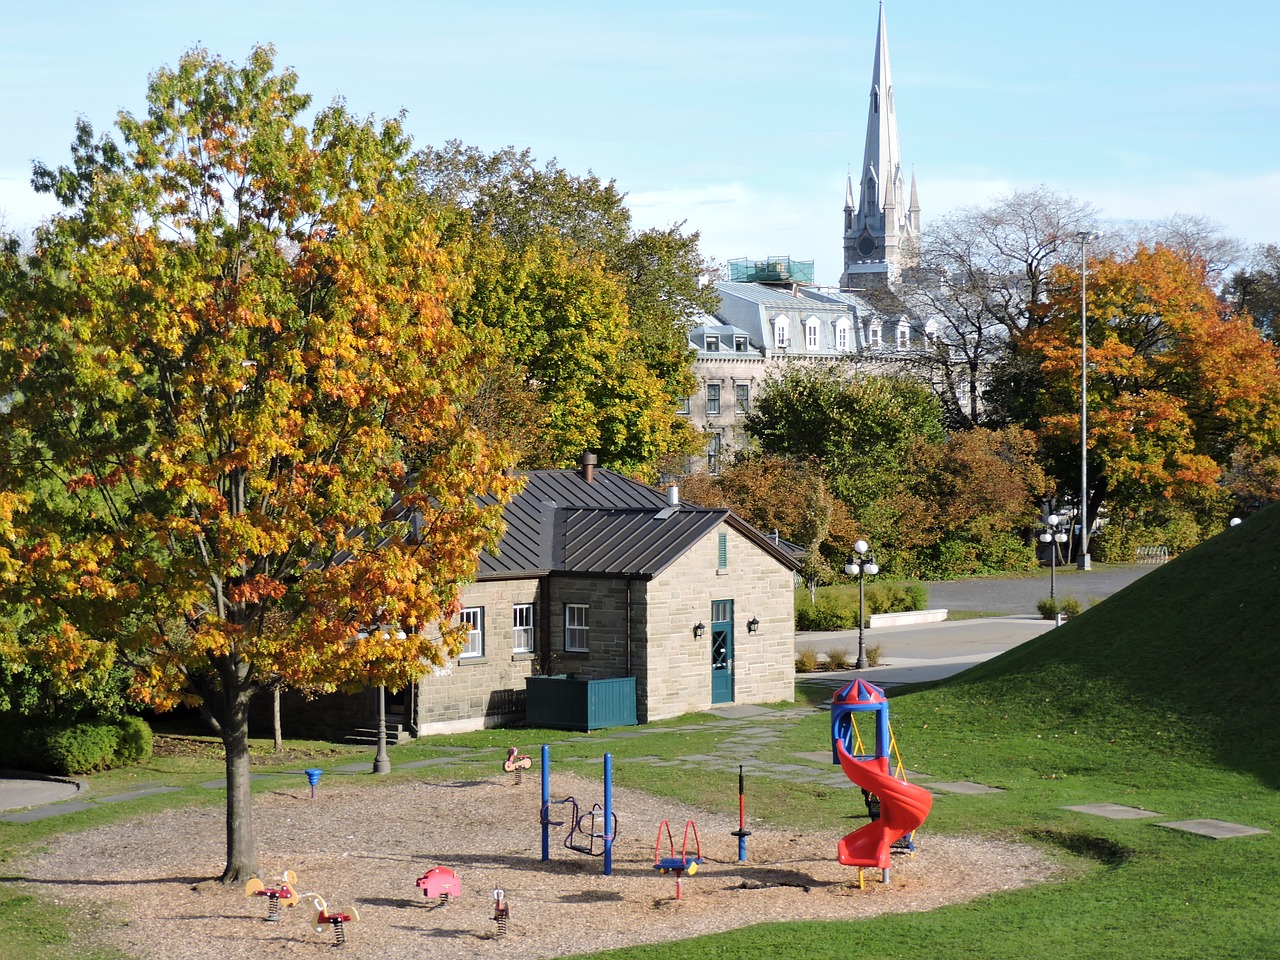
806	661
837	660
873	654
81	748
917	596
831	612
1070	607
134	741
1048	608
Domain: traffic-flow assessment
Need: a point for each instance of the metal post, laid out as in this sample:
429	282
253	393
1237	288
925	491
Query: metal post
1083	559
861	662
1053	560
608	814
546	803
382	763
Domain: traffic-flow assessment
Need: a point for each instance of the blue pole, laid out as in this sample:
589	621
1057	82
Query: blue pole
608	814
546	801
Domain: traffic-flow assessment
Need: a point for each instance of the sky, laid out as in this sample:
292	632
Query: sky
740	120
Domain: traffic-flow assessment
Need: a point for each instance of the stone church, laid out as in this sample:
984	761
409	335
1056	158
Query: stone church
772	313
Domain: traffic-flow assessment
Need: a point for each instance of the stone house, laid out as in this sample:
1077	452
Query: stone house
598	576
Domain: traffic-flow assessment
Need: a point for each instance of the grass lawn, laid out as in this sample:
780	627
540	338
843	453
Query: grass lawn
1164	697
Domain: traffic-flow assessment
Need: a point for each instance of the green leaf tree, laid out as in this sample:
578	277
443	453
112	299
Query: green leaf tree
585	319
230	353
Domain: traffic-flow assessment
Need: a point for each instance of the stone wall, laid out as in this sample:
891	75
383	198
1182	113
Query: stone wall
676	672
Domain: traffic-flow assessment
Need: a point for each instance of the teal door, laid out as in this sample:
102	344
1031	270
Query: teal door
722	651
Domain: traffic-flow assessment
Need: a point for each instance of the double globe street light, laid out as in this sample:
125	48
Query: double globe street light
861	565
1054	533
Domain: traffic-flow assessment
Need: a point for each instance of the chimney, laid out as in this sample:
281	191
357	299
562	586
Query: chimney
588	466
673	495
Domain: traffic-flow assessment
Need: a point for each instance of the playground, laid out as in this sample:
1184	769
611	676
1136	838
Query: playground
364	847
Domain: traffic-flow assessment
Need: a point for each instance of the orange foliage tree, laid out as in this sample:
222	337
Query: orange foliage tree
1176	383
223	362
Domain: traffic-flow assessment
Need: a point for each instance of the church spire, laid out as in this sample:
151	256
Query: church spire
884	218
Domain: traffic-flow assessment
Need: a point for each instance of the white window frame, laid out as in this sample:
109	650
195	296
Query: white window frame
524	637
473	617
577	627
843	328
713	399
904	336
742	399
812	335
781	333
741	344
713	343
873	334
715	449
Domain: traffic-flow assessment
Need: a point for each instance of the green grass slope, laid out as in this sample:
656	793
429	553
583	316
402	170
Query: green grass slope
1184	662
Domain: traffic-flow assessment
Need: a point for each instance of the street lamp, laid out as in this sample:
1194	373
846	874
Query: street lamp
861	565
1084	236
1054	533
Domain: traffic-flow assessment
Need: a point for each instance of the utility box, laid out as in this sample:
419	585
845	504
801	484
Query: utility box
565	702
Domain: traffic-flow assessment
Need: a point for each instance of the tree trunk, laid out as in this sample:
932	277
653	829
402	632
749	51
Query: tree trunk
275	717
242	856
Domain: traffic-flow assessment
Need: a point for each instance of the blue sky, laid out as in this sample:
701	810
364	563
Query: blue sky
741	119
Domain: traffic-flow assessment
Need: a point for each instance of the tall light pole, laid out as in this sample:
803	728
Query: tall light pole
861	565
1053	534
1082	561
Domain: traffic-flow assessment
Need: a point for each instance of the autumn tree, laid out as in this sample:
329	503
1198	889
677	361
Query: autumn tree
229	354
1177	385
784	496
585	319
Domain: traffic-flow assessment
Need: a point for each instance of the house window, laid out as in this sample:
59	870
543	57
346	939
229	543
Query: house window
842	334
522	637
873	335
713	453
781	334
811	333
742	398
713	343
713	399
722	551
904	336
740	344
576	627
682	406
473	619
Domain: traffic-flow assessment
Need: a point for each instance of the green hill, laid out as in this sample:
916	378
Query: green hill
1183	662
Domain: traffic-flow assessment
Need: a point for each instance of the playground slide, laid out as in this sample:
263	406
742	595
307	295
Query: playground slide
903	807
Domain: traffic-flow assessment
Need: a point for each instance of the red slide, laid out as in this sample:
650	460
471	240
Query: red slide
903	807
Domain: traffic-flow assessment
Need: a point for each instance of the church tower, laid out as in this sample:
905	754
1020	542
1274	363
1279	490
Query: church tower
881	221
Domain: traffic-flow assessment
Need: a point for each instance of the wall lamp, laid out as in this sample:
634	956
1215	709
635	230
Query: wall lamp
753	625
699	629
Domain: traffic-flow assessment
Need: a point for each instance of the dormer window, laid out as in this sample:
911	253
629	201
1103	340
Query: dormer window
781	333
740	344
713	343
811	333
904	336
842	335
873	334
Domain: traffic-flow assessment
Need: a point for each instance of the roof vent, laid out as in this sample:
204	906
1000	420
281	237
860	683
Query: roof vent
588	462
673	495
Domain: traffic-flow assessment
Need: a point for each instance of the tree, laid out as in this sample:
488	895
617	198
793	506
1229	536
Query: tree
786	496
983	282
231	352
1255	289
966	502
1177	385
586	320
856	429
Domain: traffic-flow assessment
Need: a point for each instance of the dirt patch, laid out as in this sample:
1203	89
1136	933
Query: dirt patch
365	848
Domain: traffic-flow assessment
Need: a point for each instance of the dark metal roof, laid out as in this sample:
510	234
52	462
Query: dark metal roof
611	526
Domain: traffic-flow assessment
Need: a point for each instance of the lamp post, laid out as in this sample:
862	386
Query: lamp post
861	565
1082	561
1054	533
382	762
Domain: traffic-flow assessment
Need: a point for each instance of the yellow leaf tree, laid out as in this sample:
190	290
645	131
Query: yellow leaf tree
224	362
